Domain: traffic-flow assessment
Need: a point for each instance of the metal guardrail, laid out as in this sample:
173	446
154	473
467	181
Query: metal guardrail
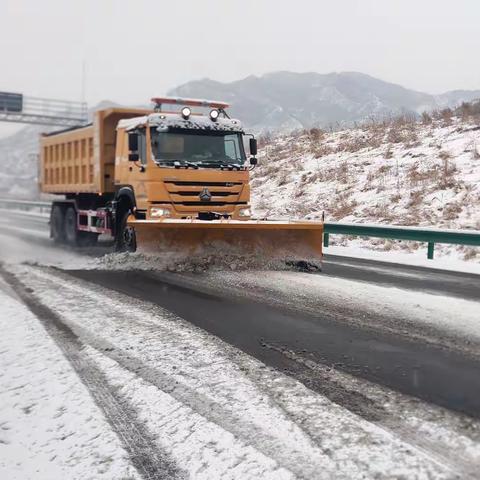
430	236
26	205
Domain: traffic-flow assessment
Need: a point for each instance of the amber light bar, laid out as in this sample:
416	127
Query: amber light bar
191	102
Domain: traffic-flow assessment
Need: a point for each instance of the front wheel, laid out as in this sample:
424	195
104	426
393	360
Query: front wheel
126	240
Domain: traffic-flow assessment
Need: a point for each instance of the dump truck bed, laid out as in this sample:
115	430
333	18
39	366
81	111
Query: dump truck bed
82	160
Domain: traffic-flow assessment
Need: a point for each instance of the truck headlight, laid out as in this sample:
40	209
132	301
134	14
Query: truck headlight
214	114
159	212
244	212
186	112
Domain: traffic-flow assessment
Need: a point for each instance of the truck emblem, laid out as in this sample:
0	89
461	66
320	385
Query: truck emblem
205	195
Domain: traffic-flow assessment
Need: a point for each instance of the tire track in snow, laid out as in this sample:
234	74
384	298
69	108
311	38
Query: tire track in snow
136	323
292	458
147	459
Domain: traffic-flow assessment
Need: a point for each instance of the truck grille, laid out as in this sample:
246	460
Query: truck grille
205	184
188	193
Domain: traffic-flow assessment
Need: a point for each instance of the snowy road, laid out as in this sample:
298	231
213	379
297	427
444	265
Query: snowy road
366	371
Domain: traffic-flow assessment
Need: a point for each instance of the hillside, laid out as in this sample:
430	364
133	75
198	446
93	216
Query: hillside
401	172
287	100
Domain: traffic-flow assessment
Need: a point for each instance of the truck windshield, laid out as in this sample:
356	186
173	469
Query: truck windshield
197	147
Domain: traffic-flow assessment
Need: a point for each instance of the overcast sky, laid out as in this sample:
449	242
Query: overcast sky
133	49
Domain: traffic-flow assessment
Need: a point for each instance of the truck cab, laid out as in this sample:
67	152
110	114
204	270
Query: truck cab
183	164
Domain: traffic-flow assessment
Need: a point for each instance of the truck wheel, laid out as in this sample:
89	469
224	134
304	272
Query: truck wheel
57	224
126	240
71	231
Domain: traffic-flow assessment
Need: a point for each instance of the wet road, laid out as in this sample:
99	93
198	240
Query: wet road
431	373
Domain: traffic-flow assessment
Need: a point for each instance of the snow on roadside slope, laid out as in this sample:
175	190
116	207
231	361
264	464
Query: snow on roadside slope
50	427
405	174
416	259
204	401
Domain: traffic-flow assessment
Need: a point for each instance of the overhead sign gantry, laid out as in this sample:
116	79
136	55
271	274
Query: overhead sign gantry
17	108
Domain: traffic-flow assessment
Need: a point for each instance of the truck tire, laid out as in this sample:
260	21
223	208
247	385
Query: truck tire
57	224
71	231
125	240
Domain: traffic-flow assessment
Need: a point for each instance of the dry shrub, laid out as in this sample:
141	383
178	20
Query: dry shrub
475	152
267	169
312	177
371	175
342	172
470	253
282	178
354	143
447	179
383	212
415	199
342	206
263	203
444	155
452	210
395	135
316	134
411	139
320	150
446	116
384	169
265	139
418	176
426	118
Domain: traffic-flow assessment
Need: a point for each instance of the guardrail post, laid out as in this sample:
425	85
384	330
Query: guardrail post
326	238
431	247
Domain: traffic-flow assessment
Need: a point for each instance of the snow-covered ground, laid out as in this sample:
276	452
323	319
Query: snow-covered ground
406	173
50	428
215	411
416	258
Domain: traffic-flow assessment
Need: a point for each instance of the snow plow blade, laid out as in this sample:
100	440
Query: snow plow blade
296	243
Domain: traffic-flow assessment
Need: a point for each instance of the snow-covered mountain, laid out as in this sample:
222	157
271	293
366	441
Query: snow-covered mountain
286	100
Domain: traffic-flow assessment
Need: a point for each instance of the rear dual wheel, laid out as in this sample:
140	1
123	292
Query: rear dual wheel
64	228
57	224
71	230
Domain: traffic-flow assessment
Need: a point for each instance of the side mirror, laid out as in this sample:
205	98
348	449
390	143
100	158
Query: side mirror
253	146
253	161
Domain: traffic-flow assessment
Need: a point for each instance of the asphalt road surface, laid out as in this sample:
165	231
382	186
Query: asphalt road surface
286	338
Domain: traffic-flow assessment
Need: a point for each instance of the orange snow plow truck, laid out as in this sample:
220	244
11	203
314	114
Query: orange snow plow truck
174	179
